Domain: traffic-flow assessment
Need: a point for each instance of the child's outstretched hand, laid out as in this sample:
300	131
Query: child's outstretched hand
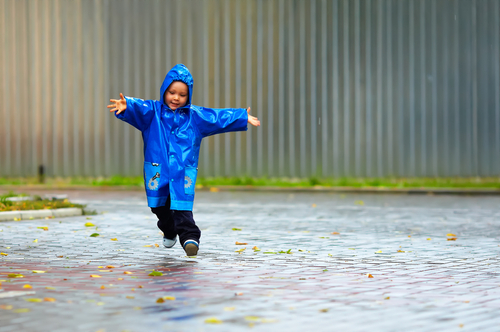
119	105
252	119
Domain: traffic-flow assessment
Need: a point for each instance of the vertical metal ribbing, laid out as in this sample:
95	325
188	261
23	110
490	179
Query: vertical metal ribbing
227	87
34	90
445	152
389	104
217	154
127	50
206	84
475	147
137	82
380	83
423	97
260	101
3	89
456	94
313	93
190	14
177	19
324	92
484	98
237	74
358	129
368	91
107	90
64	132
270	90
281	89
302	89
496	55
11	60
335	88
435	85
411	88
76	63
401	93
291	91
46	92
23	102
85	100
249	53
346	88
98	73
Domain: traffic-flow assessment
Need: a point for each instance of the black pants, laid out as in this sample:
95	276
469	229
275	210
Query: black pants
175	222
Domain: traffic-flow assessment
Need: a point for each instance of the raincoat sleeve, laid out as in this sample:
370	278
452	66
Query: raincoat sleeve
211	121
139	113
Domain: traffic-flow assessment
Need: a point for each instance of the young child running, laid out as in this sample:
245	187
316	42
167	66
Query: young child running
172	129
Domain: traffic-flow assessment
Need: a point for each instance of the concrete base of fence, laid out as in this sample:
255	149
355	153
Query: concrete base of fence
39	214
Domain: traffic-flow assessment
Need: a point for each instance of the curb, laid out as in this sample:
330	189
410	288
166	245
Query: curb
39	214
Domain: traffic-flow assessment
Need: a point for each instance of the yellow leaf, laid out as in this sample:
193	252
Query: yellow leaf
95	276
120	278
21	310
35	240
252	318
130	297
127	272
323	310
378	252
137	308
428	239
140	286
102	287
34	300
148	245
241	243
89	224
27	286
451	239
314	205
4	254
160	300
110	267
38	271
387	298
100	303
45	228
6	307
229	308
214	190
49	299
15	275
157	245
51	288
460	325
450	234
359	203
100	267
409	235
401	251
255	248
369	275
335	233
213	320
240	250
114	239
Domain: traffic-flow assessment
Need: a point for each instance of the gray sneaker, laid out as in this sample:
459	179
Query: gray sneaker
191	247
169	243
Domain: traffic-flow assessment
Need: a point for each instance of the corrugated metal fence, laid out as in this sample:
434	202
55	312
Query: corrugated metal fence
343	88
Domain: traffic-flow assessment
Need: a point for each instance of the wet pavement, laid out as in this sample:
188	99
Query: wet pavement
325	262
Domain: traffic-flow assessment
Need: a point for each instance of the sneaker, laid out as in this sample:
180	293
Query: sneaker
191	247
169	243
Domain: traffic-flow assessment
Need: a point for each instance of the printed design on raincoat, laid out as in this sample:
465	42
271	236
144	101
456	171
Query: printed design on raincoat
172	140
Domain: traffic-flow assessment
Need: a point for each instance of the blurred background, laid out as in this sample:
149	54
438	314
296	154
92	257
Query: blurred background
344	88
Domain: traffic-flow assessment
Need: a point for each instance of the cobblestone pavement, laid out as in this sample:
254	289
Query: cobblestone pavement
327	262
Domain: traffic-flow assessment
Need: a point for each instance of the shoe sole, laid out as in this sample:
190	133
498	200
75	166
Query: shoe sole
191	249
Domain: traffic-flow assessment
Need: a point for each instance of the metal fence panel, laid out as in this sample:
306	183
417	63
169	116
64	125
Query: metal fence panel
358	88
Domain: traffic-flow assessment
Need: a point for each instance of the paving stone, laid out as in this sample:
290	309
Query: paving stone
323	284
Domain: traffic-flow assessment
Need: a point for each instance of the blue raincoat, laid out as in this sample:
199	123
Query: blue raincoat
172	140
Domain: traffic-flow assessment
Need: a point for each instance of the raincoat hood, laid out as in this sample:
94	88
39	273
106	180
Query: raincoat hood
178	73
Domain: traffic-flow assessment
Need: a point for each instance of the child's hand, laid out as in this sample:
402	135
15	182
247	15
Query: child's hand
119	105
252	119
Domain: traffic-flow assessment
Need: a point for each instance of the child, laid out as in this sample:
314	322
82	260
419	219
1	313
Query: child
172	129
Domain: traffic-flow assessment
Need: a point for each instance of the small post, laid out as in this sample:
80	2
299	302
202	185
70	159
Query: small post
41	174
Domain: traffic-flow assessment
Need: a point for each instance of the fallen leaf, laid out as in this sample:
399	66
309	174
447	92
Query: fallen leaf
51	288
27	286
214	190
95	276
140	286
148	245
6	307
35	241
137	308
238	294
160	300
100	267
240	250
33	300
378	252
100	303
241	243
120	278
451	239
38	271
130	297
369	275
155	274
428	239
401	251
229	308
335	233
114	239
4	254
256	248
49	299
359	203
213	320
94	235
15	275
110	266
45	228
460	325
323	310
450	234
157	245
102	287
236	229
314	205
21	310
409	235
89	224
387	298
127	272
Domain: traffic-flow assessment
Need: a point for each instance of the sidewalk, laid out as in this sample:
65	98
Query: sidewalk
312	273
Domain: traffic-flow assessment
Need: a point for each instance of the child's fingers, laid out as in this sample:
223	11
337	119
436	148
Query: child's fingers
110	106
121	96
248	110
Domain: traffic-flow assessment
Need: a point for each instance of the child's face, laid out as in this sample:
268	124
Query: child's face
176	95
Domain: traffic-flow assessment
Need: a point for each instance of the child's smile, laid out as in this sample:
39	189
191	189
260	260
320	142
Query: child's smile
176	95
